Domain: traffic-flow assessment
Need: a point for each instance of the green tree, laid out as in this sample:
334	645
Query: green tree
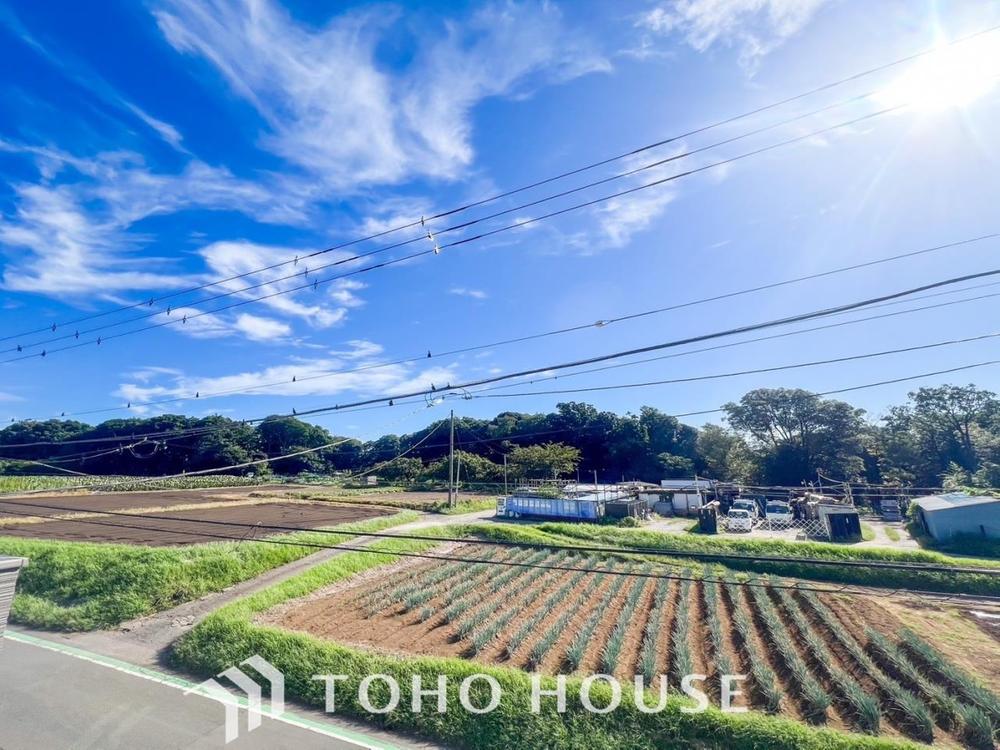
796	433
547	461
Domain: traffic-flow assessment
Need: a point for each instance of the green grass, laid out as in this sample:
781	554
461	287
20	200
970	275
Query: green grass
87	586
893	533
10	483
750	551
229	636
960	544
867	533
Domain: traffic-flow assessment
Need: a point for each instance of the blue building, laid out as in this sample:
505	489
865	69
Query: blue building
956	513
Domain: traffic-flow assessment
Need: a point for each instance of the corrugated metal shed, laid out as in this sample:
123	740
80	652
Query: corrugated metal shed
955	513
9	568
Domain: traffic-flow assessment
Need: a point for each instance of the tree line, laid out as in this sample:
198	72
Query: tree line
941	435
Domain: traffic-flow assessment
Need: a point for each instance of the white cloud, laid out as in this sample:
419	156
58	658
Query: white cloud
236	258
256	328
76	233
463	292
755	27
325	376
343	292
334	111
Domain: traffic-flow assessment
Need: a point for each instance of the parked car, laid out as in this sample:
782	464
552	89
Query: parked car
739	519
744	503
777	510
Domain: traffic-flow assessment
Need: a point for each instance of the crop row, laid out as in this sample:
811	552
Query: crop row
764	679
544	644
651	635
680	638
717	637
584	637
910	712
813	697
521	577
857	706
613	647
517	640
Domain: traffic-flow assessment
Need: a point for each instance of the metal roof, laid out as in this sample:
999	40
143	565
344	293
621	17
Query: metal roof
952	501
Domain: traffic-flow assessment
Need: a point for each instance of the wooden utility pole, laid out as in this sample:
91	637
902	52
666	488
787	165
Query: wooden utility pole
451	463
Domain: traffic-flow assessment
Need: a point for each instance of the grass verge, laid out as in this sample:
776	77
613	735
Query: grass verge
230	636
88	586
750	552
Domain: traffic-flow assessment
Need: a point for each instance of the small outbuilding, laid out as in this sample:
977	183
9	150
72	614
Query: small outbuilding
956	513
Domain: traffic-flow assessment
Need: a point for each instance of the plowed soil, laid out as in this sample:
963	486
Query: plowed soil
163	529
373	615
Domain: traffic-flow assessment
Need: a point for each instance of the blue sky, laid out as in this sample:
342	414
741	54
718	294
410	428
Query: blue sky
148	148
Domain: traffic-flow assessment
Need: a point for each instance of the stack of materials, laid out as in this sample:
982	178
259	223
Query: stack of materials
9	568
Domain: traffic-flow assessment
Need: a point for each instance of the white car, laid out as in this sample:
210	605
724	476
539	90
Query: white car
778	511
743	504
739	519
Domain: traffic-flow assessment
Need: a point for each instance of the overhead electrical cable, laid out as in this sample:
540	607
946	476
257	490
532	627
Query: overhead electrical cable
430	354
439	247
538	183
457	389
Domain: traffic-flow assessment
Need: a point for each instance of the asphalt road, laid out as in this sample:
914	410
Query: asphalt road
56	701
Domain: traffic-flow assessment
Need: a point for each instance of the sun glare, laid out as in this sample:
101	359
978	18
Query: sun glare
953	77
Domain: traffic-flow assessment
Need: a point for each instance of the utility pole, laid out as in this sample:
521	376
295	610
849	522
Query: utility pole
505	490
451	463
458	476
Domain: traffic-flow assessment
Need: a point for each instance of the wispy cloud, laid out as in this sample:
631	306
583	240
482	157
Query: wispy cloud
462	291
321	376
72	237
754	27
308	83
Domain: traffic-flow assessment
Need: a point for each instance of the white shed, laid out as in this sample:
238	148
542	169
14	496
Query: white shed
9	568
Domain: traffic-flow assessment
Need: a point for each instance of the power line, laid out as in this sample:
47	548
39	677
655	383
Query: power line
449	389
538	183
755	371
550	333
665	345
456	243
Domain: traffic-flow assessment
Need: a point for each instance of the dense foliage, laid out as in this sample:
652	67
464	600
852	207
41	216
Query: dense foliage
944	435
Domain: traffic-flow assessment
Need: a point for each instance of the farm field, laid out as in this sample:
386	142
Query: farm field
17	483
389	497
117	501
854	664
163	528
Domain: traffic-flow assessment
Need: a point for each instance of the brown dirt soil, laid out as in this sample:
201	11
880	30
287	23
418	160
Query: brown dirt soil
162	529
118	501
401	499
